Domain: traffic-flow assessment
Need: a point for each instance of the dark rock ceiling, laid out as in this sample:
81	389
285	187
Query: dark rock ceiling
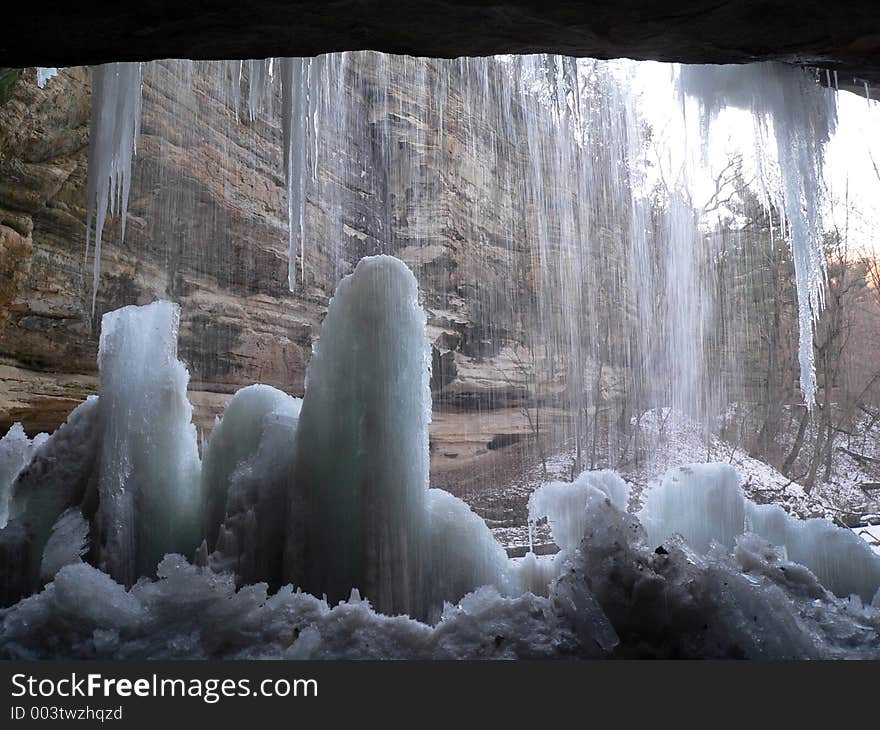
841	35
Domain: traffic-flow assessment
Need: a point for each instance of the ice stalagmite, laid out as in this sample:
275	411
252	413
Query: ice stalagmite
360	480
115	125
148	472
245	475
802	116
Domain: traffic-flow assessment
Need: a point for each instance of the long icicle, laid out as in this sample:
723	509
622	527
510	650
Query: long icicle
113	133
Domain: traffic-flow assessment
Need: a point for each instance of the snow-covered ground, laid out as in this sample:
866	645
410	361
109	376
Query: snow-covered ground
671	440
871	535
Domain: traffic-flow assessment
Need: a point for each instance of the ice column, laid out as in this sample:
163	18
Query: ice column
360	480
245	475
115	125
148	472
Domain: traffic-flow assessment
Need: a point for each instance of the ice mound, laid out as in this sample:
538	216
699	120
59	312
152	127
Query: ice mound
702	502
58	477
563	503
245	477
705	504
843	562
463	552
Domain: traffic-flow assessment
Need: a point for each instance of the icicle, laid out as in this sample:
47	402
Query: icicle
115	125
295	74
235	85
260	78
803	116
44	74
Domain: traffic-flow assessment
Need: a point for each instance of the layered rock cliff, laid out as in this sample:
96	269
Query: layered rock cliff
207	228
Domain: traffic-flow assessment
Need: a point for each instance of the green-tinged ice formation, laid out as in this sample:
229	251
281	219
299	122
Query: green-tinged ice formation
148	468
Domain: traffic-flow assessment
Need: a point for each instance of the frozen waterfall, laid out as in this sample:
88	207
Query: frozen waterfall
330	495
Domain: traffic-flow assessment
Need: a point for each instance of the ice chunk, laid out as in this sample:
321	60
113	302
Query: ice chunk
843	562
66	545
704	503
564	503
358	512
148	470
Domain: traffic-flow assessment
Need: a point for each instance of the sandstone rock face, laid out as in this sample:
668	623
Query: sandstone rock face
207	228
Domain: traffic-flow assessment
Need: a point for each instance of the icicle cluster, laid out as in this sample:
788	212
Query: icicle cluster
789	104
115	125
44	74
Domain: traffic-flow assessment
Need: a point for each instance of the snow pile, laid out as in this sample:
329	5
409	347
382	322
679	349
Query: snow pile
148	468
871	535
801	115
